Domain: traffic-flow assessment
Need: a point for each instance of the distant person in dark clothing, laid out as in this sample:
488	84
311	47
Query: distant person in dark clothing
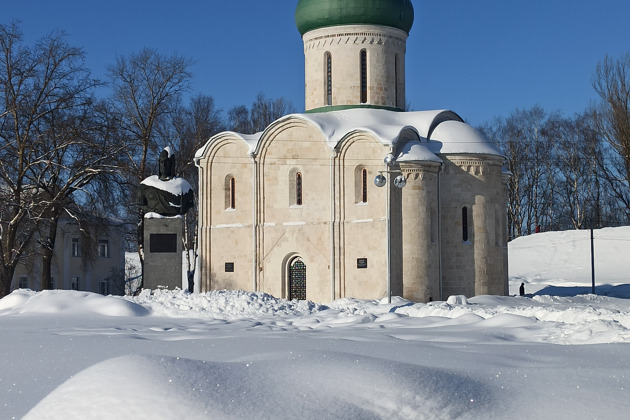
521	290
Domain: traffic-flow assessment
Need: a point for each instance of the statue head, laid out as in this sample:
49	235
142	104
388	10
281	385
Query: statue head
167	164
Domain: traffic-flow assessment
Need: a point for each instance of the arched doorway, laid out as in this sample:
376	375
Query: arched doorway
297	279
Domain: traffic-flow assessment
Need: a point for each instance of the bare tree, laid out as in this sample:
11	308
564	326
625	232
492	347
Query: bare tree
262	113
515	153
147	87
577	153
558	168
45	157
188	129
522	138
238	120
611	81
79	154
265	111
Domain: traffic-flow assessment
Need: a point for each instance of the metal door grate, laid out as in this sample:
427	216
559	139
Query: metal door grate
297	280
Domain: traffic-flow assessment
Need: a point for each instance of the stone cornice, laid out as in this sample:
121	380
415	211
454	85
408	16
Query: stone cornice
474	165
354	35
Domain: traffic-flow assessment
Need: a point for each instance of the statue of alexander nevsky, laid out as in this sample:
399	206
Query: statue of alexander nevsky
164	198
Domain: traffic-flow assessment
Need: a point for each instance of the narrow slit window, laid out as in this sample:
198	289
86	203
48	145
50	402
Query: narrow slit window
232	193
465	224
364	185
328	79
363	76
298	188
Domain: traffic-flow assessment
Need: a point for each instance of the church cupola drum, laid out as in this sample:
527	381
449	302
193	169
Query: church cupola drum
354	52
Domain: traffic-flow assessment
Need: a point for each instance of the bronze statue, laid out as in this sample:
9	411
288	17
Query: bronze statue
165	194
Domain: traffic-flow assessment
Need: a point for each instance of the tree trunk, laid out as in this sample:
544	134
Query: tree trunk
6	276
48	250
140	242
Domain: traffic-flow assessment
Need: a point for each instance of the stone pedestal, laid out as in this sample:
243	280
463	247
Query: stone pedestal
163	252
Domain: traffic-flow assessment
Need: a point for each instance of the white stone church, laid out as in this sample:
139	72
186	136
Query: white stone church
354	197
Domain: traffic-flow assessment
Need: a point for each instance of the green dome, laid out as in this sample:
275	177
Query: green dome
314	14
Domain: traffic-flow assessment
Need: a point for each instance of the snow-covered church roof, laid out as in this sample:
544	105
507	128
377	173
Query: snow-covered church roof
438	132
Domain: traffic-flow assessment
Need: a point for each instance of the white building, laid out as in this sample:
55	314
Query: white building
93	263
295	211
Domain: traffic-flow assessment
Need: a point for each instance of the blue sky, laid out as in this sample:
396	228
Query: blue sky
481	59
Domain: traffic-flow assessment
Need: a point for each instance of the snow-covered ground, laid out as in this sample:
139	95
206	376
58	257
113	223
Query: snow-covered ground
558	353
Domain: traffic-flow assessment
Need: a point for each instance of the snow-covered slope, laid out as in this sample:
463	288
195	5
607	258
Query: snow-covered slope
233	354
559	263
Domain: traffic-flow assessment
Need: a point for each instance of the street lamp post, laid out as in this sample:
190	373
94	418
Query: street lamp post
399	182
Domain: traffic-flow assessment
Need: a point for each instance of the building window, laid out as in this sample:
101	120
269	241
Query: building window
298	188
363	76
465	224
360	184
103	287
75	283
328	79
295	187
230	193
103	248
75	247
23	282
364	185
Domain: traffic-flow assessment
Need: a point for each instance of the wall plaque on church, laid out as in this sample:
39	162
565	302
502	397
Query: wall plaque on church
229	267
361	262
162	242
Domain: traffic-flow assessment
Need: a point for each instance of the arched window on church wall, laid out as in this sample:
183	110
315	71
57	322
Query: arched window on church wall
298	188
360	184
363	66
295	187
364	185
230	192
328	78
465	235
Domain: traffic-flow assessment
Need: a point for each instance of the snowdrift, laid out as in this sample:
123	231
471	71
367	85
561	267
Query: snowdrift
235	354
